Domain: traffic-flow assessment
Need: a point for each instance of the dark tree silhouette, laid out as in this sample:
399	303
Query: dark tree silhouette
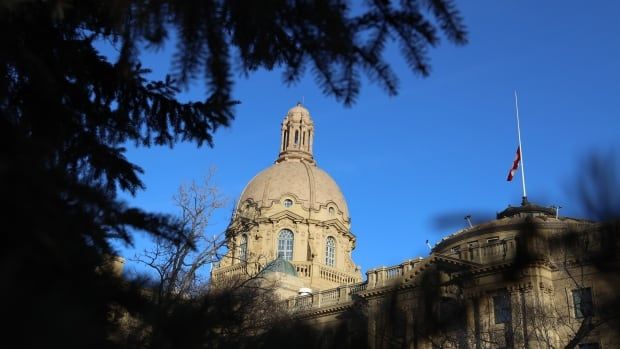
66	111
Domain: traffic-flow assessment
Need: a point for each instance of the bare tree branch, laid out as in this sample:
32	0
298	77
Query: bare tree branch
179	263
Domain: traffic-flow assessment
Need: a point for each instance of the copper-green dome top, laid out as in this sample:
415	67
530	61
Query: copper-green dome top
280	265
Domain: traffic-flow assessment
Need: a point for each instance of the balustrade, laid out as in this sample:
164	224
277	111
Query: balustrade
303	302
384	276
342	294
495	251
329	296
334	275
304	269
230	271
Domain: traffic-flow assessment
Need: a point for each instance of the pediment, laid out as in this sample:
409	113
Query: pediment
286	214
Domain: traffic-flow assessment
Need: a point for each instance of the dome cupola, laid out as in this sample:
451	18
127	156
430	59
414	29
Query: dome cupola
297	135
295	177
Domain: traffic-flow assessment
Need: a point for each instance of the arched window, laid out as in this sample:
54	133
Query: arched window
296	137
285	245
243	248
330	252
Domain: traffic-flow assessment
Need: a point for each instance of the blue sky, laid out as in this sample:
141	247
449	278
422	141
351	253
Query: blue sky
444	145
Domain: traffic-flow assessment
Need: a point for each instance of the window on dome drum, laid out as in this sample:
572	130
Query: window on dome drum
243	248
501	307
331	211
285	140
285	245
296	137
582	301
287	203
330	251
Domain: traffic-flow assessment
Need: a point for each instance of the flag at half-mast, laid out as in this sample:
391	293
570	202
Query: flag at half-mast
515	164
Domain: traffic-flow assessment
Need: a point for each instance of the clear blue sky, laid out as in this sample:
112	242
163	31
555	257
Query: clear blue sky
444	145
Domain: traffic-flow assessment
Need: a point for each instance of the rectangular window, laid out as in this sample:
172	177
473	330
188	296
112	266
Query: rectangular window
492	240
582	301
589	346
243	248
451	314
501	307
473	252
455	249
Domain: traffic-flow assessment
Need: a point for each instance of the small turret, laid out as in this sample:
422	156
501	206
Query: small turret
297	135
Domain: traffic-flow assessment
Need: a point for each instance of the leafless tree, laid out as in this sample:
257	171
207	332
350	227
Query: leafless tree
178	264
186	309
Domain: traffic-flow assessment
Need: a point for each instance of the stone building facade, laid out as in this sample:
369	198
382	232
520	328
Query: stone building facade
292	211
529	279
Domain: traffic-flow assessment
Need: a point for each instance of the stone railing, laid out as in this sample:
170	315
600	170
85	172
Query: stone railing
384	276
492	252
302	302
228	272
499	251
338	295
359	287
334	275
378	277
235	271
328	297
304	269
308	270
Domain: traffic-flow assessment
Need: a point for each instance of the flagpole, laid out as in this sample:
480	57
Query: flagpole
524	202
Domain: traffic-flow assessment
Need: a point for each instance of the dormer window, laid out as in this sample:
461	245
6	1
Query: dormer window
287	203
331	211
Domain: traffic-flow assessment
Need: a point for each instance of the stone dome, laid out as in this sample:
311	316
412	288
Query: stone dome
295	176
298	112
299	181
292	218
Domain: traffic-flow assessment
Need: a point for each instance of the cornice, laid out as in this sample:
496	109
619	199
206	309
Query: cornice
322	311
505	224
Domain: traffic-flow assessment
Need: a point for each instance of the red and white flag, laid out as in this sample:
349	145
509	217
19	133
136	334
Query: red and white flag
515	165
